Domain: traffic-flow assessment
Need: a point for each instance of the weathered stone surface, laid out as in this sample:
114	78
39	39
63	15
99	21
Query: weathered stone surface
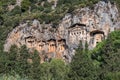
85	24
18	2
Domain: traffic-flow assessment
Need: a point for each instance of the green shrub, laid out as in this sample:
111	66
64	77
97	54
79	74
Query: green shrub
16	10
25	5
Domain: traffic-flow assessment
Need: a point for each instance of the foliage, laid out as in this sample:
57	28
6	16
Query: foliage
102	63
82	67
9	77
109	56
16	10
15	65
25	5
36	6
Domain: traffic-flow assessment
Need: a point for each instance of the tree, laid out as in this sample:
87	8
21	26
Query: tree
8	61
109	56
82	67
58	70
34	69
1	20
16	10
25	5
55	70
22	66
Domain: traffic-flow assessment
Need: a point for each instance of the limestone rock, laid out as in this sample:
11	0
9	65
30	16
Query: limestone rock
86	25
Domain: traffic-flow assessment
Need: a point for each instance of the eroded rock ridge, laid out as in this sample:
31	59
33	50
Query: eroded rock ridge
85	24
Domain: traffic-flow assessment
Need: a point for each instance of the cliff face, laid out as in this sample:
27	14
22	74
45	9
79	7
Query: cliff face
85	24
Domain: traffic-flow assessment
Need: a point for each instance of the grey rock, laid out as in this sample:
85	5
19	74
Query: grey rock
87	25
